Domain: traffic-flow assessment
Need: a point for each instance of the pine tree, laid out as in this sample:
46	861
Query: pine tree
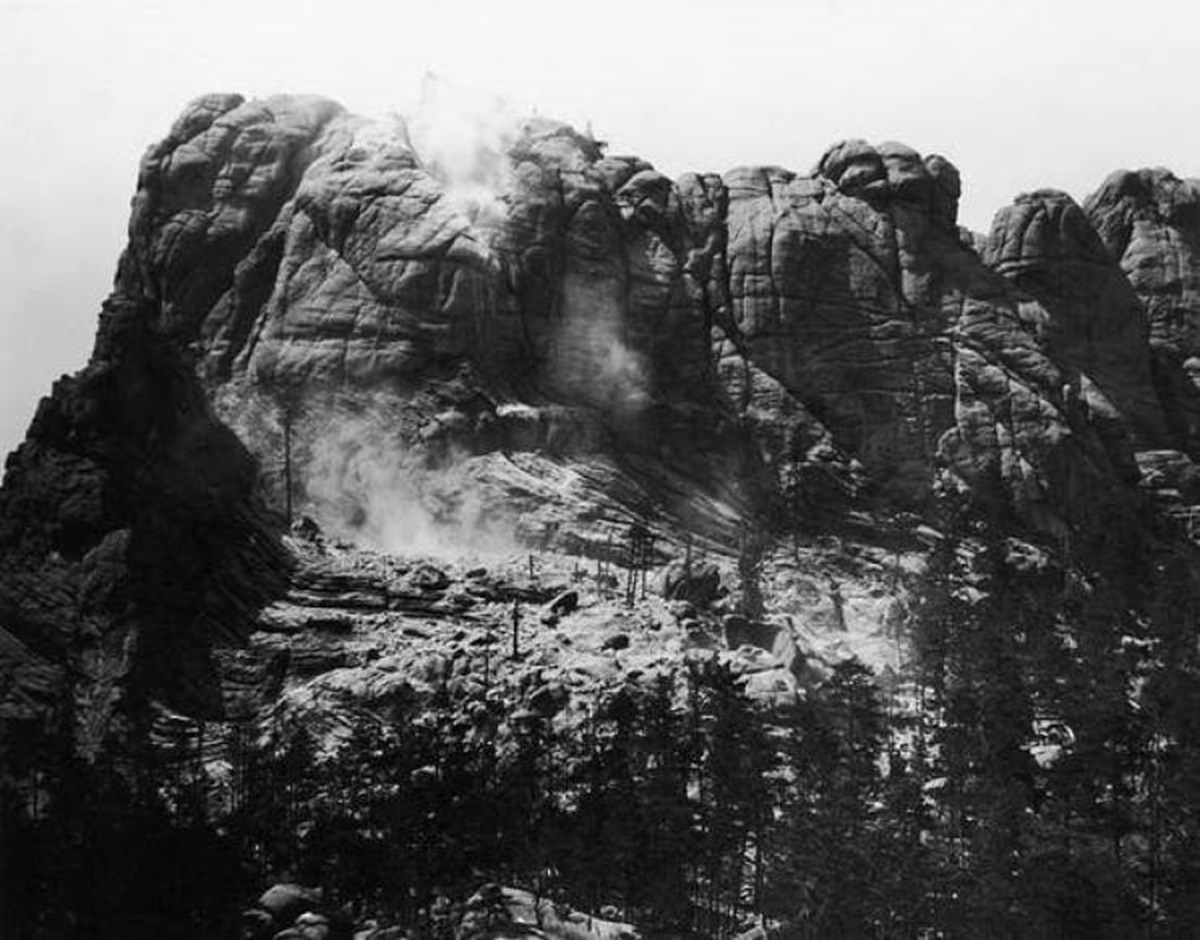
667	811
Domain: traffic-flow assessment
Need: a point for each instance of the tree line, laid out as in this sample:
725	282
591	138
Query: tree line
1036	773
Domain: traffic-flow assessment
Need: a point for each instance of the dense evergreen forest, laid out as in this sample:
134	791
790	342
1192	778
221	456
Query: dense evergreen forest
1030	775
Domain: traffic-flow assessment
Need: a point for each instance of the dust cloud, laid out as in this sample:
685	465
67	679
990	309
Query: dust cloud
363	483
358	467
358	462
593	359
462	137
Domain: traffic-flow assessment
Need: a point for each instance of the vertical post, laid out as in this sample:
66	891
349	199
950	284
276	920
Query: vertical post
631	575
631	566
646	553
516	621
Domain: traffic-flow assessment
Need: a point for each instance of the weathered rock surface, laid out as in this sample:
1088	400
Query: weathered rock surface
838	315
130	539
1149	222
311	316
1094	325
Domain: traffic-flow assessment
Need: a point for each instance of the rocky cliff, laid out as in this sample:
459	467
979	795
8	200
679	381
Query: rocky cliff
313	315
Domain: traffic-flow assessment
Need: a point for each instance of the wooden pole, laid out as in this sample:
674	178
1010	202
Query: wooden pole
516	621
646	552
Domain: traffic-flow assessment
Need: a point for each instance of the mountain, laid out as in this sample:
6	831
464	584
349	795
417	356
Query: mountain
812	395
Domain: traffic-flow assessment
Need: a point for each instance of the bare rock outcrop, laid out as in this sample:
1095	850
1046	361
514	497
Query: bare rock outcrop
1149	221
315	313
1094	324
131	541
832	328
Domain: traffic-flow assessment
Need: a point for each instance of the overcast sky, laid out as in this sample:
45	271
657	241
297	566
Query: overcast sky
1019	94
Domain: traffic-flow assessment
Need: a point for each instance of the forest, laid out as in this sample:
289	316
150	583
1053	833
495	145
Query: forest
1032	774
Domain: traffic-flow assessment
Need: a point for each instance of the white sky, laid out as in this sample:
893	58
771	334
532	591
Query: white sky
1019	94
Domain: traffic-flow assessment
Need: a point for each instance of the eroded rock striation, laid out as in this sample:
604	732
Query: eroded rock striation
313	313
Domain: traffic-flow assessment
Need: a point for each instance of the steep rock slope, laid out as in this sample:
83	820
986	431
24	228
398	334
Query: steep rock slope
130	540
1150	223
313	314
304	251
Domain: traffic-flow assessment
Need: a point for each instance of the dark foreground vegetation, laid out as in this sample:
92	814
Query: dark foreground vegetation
1031	777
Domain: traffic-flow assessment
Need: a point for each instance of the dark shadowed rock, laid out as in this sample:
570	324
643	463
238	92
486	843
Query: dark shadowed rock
565	603
131	533
1094	325
1149	222
697	583
285	902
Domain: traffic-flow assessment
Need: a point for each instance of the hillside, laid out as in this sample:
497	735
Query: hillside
357	404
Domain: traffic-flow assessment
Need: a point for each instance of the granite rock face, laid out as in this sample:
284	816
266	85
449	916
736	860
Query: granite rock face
1095	327
293	245
131	540
1149	222
315	313
838	314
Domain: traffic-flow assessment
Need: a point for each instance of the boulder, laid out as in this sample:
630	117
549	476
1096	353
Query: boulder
429	578
286	901
549	699
778	686
514	912
313	926
741	631
698	583
746	660
566	602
